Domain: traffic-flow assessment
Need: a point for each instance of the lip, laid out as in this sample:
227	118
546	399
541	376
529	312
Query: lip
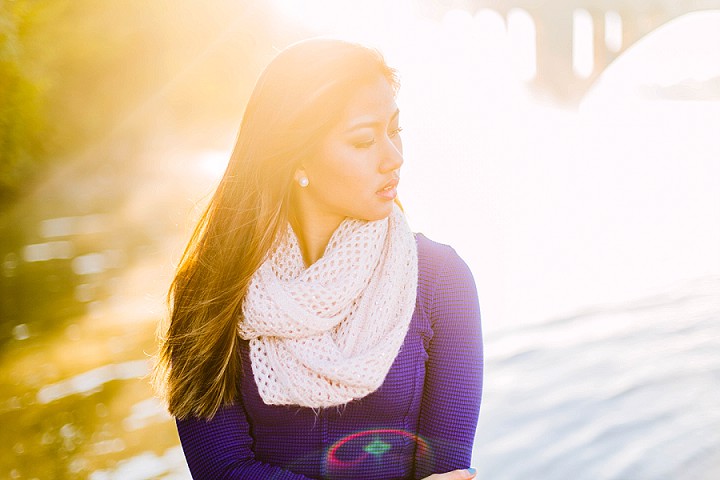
389	190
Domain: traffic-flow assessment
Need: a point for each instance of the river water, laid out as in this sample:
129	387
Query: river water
629	391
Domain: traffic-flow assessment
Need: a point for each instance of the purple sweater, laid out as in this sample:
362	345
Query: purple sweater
420	421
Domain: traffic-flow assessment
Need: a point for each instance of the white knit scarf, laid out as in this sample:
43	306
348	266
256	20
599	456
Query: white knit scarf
324	335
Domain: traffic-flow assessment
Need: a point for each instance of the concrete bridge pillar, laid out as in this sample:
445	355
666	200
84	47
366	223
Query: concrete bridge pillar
600	50
554	28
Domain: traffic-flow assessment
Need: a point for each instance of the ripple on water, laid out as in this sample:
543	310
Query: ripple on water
626	392
92	380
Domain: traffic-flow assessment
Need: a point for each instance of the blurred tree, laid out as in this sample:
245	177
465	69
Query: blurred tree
21	116
75	73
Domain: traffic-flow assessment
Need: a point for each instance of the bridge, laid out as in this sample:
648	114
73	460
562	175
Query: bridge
615	25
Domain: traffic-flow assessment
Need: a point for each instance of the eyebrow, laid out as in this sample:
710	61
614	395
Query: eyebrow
375	123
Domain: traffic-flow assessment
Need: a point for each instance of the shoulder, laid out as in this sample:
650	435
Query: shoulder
447	294
435	257
440	267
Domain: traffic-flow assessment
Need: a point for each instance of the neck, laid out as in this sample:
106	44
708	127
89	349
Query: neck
314	234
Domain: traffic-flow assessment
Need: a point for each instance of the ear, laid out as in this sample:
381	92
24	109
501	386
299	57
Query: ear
301	177
299	173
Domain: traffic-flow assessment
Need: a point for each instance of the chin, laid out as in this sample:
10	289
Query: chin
375	215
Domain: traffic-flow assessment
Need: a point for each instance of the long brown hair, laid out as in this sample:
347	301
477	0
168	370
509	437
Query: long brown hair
297	99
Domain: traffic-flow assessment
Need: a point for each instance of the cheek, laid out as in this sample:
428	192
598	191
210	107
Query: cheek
343	168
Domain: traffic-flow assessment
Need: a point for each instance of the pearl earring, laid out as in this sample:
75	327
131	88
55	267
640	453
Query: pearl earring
303	181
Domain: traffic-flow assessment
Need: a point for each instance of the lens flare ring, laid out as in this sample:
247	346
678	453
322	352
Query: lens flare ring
375	447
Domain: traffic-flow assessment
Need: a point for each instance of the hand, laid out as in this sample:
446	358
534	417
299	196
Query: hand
454	475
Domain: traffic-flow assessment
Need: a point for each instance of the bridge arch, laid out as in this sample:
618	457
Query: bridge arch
617	25
665	67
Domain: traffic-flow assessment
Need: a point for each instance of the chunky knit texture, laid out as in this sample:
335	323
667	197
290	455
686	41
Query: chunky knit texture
420	421
325	335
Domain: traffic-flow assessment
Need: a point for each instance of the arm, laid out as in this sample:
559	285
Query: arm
453	380
221	448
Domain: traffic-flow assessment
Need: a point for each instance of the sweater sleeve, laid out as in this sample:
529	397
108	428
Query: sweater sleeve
453	381
221	448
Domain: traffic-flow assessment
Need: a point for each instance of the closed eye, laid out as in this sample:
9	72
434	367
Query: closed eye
369	143
366	144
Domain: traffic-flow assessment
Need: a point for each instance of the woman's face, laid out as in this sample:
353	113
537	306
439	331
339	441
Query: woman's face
355	171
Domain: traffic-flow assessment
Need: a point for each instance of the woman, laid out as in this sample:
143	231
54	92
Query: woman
312	335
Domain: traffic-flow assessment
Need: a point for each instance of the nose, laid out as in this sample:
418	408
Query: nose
392	156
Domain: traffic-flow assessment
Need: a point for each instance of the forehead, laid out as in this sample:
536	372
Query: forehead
372	101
